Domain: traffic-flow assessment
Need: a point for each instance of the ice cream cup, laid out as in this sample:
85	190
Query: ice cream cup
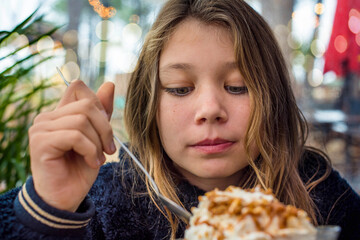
328	232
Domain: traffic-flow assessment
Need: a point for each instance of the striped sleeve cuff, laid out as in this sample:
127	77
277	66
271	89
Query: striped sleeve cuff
33	212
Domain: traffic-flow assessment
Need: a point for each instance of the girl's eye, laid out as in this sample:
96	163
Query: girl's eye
236	90
182	91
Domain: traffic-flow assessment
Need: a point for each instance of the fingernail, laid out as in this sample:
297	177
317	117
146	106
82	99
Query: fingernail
112	146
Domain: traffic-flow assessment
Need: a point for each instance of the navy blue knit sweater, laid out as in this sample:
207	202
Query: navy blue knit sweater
111	212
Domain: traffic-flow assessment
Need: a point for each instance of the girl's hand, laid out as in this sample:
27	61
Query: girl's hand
67	144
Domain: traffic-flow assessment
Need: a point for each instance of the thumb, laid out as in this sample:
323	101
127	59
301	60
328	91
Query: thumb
106	97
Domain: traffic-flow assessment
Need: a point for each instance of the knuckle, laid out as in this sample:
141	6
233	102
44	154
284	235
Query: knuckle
76	84
88	103
81	120
36	128
36	140
40	117
76	136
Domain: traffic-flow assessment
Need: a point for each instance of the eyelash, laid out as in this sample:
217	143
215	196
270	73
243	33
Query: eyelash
231	89
239	90
175	91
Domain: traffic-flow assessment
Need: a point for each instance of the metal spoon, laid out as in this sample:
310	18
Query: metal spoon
171	205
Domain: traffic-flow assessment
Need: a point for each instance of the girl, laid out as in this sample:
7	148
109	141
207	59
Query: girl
209	105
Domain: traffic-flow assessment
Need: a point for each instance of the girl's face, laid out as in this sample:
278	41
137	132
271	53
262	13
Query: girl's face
204	106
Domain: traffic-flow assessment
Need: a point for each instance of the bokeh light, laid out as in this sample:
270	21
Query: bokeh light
70	38
71	55
354	12
281	30
304	21
357	39
134	19
127	62
44	45
315	77
340	44
329	77
354	21
317	48
10	39
297	58
105	29
319	8
299	73
20	41
71	71
294	41
104	12
99	51
319	94
131	33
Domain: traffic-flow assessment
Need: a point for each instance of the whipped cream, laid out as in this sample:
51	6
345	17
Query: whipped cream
254	214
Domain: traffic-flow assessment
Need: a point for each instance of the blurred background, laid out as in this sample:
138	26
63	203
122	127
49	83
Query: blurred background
99	41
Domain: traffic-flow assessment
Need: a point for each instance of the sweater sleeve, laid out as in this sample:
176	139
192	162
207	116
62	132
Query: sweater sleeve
119	214
24	215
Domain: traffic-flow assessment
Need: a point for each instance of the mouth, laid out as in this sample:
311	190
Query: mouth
212	146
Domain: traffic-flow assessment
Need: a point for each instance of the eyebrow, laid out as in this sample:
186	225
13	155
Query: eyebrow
186	66
231	65
176	66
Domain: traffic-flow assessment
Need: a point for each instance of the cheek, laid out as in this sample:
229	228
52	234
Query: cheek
240	114
172	118
168	115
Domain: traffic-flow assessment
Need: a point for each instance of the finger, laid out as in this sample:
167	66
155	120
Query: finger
71	122
97	119
76	91
64	141
106	96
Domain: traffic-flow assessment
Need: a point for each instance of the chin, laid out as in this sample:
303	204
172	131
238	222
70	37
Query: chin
216	173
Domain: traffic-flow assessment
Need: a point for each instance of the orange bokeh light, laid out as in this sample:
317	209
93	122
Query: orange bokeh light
104	12
319	8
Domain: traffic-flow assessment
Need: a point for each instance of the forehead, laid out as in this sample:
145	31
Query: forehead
184	32
192	39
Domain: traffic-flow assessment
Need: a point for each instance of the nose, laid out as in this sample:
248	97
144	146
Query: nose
210	107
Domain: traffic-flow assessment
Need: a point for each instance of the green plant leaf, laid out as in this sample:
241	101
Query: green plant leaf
19	26
17	103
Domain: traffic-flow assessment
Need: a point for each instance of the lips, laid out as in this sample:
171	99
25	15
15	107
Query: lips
212	146
209	142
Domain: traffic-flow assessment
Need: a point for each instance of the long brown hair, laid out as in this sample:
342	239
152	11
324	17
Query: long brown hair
276	124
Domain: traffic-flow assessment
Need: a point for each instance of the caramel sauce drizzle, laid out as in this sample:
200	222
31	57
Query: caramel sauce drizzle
240	209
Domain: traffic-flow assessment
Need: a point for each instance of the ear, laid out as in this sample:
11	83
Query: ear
106	97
